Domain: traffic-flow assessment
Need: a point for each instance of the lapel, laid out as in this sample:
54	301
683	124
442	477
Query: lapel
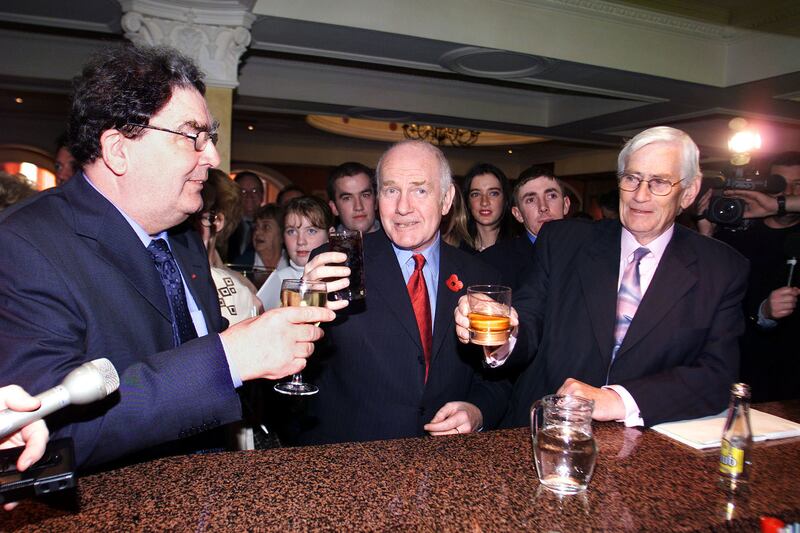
385	278
598	270
446	299
115	242
672	280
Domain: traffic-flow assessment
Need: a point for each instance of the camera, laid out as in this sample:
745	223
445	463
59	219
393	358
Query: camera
730	211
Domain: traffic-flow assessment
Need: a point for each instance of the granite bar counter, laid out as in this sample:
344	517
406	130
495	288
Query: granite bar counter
478	482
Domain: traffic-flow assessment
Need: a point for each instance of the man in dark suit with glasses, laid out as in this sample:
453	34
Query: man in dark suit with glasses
102	266
640	315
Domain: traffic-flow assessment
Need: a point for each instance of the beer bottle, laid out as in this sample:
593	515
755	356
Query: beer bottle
737	439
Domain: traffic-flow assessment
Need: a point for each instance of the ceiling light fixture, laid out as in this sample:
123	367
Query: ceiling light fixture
440	136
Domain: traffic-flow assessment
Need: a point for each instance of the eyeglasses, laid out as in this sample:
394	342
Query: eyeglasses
657	186
200	139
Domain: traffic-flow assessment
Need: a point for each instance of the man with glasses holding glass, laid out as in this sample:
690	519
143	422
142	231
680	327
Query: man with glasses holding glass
640	315
103	267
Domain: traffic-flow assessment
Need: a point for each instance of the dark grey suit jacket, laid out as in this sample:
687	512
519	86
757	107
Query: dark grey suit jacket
680	354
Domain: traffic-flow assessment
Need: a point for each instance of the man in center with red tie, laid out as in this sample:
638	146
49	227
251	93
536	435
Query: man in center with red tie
391	366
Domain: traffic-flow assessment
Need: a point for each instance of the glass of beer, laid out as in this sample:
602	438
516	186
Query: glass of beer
300	293
351	243
489	314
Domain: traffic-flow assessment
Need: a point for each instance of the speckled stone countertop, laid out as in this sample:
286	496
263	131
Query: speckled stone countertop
479	482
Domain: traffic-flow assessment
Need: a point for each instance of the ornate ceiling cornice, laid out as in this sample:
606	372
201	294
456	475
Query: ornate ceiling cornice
628	14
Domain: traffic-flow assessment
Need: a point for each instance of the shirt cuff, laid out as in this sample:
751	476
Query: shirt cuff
632	415
498	357
235	377
763	321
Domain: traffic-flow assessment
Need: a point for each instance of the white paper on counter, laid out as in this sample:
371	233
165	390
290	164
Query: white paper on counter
706	432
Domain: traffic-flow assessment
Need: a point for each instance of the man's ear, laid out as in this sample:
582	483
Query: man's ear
448	199
114	151
690	193
566	205
333	208
517	214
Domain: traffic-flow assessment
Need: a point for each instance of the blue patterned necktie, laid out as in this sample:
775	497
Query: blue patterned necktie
182	325
628	298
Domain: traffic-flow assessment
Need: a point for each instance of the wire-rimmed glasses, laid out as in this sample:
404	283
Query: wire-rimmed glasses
200	138
657	186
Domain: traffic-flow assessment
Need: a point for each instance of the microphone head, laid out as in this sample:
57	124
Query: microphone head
774	184
109	373
91	381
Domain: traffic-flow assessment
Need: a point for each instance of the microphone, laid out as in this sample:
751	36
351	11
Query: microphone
88	383
791	248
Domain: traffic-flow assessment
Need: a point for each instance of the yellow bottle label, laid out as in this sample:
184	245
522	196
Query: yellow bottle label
731	459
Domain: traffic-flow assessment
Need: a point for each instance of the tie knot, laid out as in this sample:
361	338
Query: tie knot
639	253
159	250
419	261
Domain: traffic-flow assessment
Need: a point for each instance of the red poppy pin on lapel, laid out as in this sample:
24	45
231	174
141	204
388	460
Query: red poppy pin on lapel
454	284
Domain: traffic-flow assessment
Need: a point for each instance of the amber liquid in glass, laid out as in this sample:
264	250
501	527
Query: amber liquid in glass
309	298
488	330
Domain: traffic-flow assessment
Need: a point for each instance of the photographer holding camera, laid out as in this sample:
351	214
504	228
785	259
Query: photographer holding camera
769	240
760	205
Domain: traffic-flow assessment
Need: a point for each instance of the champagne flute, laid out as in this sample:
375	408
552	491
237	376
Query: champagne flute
301	293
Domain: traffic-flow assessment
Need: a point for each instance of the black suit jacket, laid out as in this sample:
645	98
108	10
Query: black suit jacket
371	373
680	354
233	250
512	258
76	284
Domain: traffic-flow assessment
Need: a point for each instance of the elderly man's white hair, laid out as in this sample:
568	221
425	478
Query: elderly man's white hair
445	176
690	155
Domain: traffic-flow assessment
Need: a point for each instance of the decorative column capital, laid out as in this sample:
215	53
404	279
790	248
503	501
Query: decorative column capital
213	34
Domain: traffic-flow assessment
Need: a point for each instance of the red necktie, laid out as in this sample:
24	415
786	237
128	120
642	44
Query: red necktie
418	291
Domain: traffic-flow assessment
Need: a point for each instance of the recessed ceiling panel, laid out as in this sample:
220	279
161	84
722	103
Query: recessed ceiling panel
494	63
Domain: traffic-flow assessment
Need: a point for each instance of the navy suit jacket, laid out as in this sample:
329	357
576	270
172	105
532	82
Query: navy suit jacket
76	284
371	370
680	354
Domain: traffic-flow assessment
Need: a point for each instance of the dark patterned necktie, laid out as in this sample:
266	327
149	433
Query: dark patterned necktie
182	325
418	291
